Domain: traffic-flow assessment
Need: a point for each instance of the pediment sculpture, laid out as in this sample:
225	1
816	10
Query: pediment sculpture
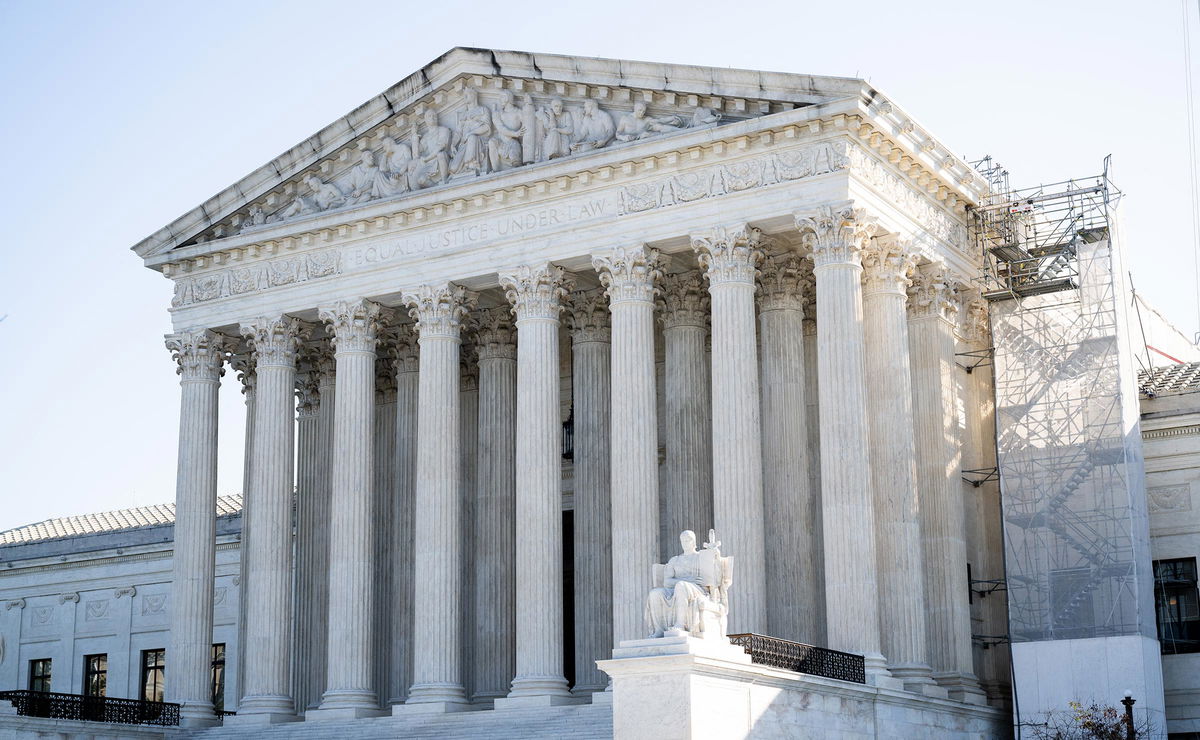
480	140
691	593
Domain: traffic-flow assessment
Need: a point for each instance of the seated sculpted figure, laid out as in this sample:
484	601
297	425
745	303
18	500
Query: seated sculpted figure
692	595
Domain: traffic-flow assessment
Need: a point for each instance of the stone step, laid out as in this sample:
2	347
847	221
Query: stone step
582	722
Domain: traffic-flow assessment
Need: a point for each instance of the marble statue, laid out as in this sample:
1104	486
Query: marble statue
394	169
360	182
322	196
692	591
432	153
595	128
559	127
637	125
531	139
473	140
504	149
256	217
704	117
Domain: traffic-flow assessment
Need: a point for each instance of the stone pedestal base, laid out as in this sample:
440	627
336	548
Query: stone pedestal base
690	689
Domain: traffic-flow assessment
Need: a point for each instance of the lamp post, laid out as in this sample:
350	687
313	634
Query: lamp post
1129	701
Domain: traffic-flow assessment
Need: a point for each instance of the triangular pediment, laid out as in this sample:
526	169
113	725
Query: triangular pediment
477	113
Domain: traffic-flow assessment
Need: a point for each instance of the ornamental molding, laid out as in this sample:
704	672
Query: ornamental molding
536	292
275	340
72	597
588	317
14	604
129	591
729	254
439	310
907	194
629	274
781	284
199	354
684	300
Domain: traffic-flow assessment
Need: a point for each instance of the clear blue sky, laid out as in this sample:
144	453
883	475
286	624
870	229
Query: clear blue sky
120	116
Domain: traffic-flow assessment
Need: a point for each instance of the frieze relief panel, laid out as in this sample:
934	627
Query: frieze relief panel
892	187
1170	499
480	128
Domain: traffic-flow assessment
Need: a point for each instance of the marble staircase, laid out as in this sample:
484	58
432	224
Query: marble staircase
579	722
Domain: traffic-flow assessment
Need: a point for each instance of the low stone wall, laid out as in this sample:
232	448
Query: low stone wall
15	727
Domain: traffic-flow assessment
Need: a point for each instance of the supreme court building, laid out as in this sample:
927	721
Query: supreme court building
508	328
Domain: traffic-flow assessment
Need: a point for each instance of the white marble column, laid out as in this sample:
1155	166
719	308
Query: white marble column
683	311
932	314
789	500
314	672
269	611
405	354
354	327
812	425
384	507
728	256
591	350
886	267
629	275
437	544
243	362
836	236
535	293
310	564
199	356
468	451
494	549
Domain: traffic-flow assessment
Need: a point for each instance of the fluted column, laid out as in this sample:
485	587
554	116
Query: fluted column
468	450
269	612
243	362
932	314
836	236
199	356
317	610
789	501
405	353
886	266
384	507
310	565
494	553
535	293
354	328
728	257
629	276
812	425
437	544
683	310
591	349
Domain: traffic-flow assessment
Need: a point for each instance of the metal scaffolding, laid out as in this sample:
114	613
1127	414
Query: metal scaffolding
1076	544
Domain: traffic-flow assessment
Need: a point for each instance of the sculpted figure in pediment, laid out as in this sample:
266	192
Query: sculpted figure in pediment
395	168
432	153
559	127
704	117
508	122
360	182
531	139
256	217
322	196
473	138
637	125
595	129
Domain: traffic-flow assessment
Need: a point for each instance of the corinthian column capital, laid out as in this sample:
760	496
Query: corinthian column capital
275	341
496	337
684	301
439	309
932	293
729	254
354	325
973	318
587	316
199	354
628	273
536	291
781	283
243	362
404	349
835	233
887	264
308	396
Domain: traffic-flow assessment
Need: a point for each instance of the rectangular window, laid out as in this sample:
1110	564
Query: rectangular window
154	666
95	675
39	674
218	677
1177	605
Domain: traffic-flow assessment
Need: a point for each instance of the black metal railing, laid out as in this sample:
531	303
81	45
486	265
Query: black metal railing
92	708
796	656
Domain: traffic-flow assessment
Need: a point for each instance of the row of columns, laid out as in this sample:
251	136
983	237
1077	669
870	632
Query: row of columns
886	523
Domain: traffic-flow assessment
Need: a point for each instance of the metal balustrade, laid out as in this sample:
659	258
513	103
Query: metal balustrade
796	656
92	708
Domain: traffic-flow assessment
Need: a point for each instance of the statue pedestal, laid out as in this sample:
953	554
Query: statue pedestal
685	688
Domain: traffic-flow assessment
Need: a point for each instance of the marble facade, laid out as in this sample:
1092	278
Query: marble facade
556	228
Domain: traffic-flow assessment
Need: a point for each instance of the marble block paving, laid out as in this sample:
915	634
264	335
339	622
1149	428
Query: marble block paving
580	722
